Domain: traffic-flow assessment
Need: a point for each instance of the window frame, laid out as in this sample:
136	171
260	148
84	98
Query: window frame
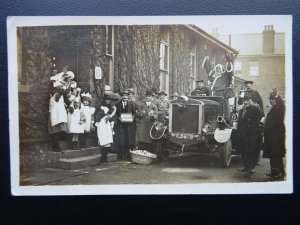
251	67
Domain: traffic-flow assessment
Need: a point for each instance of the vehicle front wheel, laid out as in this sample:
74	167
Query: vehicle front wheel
225	150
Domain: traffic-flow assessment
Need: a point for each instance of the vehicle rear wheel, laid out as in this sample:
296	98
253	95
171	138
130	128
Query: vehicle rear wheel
225	150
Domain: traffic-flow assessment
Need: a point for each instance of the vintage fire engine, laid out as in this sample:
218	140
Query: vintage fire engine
197	124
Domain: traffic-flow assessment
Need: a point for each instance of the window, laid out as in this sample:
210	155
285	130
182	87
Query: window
192	65
237	65
254	69
192	61
163	56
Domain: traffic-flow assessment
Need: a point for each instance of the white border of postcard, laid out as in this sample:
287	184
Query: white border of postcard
207	188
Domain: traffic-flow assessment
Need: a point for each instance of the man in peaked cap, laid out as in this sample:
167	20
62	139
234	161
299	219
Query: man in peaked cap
200	89
248	134
255	96
125	131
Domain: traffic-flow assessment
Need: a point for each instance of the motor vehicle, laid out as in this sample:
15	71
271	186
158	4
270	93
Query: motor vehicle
200	124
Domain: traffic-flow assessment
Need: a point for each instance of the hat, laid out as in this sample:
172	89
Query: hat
107	88
112	96
175	94
154	91
86	96
69	74
130	90
248	82
125	92
149	93
247	96
199	81
162	93
272	96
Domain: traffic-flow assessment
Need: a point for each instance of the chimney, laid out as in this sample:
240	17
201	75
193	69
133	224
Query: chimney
268	39
215	33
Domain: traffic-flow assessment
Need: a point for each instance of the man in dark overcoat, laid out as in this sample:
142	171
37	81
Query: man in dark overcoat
124	129
274	137
249	134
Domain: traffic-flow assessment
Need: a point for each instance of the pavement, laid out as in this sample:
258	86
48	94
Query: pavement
181	169
50	175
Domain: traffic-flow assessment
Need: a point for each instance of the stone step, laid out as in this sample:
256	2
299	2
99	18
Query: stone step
80	162
67	144
88	151
55	161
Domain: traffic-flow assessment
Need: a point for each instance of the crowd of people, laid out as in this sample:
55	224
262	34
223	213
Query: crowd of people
122	124
125	124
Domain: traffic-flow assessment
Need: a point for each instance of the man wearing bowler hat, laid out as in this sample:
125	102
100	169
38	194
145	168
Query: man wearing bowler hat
200	89
255	96
124	128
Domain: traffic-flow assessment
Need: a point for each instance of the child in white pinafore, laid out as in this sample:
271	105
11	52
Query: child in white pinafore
76	121
88	111
104	131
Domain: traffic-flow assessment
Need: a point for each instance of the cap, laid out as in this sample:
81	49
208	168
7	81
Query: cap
125	92
248	82
162	93
149	93
175	94
199	81
130	90
112	96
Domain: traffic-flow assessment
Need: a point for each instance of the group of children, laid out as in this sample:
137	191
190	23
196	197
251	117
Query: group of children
70	110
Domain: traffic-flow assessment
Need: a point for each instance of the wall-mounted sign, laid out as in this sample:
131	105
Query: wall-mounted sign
98	72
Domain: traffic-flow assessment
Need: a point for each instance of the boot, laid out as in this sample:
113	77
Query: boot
74	145
104	151
55	143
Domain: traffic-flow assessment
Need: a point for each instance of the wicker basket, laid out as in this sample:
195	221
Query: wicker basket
141	159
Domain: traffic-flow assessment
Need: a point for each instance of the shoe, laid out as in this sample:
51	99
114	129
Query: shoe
269	174
244	169
279	176
252	170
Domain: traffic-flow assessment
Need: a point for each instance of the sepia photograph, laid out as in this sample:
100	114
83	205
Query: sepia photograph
150	105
